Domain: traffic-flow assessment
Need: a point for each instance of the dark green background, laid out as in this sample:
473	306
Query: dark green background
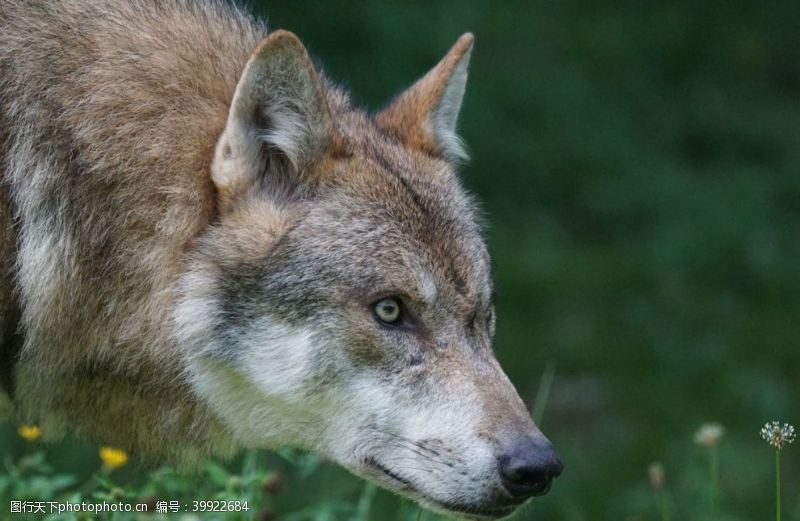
639	164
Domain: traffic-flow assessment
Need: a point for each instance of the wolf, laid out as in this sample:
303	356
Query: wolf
204	245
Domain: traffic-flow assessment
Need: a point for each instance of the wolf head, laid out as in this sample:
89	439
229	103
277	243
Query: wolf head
343	301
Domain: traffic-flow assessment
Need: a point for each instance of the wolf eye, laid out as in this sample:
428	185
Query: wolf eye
388	310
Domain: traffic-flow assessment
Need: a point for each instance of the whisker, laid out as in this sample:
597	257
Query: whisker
413	442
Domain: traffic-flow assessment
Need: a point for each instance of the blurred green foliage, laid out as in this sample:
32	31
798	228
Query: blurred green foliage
639	165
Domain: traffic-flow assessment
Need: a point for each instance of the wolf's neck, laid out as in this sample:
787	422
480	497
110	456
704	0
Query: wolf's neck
149	418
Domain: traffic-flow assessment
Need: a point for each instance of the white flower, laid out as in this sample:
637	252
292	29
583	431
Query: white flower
656	474
709	434
776	435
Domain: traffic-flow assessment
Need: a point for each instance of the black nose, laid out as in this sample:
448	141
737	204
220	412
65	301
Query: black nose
528	467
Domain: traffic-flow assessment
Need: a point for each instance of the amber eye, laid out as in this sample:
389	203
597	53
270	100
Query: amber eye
388	310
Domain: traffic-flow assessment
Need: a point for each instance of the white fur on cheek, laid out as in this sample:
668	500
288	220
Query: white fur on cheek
255	381
257	385
277	358
198	300
349	440
260	393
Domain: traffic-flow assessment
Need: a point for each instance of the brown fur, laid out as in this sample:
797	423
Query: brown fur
196	228
127	101
123	101
405	117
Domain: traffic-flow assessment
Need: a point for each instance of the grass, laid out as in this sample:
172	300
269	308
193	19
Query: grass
297	486
287	484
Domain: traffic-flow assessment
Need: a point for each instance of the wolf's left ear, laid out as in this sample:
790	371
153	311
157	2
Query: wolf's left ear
278	124
425	115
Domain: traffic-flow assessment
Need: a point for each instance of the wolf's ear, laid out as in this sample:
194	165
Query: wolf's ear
278	125
425	115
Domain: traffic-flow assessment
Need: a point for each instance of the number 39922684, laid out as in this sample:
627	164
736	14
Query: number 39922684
220	506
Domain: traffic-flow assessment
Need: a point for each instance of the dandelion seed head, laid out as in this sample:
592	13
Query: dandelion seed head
778	435
656	474
709	434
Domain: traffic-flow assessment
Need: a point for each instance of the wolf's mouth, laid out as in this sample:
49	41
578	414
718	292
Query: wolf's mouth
478	513
371	462
468	511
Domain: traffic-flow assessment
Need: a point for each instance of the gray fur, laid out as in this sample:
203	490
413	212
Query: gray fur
195	227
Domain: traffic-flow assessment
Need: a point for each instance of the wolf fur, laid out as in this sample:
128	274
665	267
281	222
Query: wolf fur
194	226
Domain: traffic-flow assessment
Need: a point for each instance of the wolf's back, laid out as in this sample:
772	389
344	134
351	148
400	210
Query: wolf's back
109	112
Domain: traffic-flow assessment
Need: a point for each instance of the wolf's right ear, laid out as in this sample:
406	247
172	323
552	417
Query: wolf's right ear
278	125
424	116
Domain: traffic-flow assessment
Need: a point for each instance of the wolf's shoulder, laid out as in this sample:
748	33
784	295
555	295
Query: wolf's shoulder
123	33
119	85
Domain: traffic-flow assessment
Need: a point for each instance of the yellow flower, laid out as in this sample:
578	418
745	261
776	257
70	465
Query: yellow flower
113	458
30	432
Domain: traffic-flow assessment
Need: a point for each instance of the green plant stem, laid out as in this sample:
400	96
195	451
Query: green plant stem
778	485
542	395
663	506
714	486
365	502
